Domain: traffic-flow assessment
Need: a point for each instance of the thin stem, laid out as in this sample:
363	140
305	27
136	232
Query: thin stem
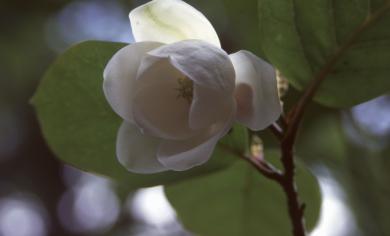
266	169
295	116
262	166
295	208
276	130
289	127
283	121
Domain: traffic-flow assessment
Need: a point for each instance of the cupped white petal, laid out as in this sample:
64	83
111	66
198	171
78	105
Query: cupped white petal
213	75
120	75
137	152
169	21
200	61
185	154
209	106
256	93
157	105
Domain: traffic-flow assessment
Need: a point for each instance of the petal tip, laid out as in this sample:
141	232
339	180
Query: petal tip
137	152
169	21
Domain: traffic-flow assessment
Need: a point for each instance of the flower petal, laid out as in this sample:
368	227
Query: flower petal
213	75
183	155
209	106
200	61
120	74
157	105
256	93
169	21
136	151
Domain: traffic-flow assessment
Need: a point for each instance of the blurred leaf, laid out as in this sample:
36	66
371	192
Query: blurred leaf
367	173
239	201
302	37
322	139
236	23
20	70
81	128
331	142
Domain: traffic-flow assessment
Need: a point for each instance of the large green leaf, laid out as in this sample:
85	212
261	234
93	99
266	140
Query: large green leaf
238	201
350	38
235	21
81	128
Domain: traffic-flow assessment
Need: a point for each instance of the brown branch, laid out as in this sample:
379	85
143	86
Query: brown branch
294	118
295	208
262	166
283	121
289	127
276	130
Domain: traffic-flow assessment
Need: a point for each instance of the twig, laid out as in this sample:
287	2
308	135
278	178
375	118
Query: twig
287	133
276	130
296	209
266	169
263	167
294	118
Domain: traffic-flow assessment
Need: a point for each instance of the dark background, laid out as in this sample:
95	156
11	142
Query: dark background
348	150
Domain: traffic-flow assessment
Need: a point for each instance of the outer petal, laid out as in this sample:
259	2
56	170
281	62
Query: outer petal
209	106
212	73
183	155
202	62
256	92
120	74
137	152
169	21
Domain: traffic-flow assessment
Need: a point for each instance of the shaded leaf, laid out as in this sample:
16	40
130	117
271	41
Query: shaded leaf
348	41
238	201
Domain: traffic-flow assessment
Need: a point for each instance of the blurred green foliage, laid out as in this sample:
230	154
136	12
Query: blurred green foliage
240	201
362	172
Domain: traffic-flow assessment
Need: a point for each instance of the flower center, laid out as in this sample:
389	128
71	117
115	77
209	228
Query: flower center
185	89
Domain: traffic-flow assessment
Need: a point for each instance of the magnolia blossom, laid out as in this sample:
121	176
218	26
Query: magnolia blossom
179	92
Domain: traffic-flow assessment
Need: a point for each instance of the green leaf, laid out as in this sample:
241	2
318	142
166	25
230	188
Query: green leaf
237	31
238	201
348	42
81	128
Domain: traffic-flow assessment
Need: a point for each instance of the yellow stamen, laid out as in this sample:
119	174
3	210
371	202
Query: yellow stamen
185	89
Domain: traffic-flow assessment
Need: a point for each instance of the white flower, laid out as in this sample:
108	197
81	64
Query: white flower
179	92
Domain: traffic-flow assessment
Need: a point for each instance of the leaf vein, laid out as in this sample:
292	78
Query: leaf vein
295	24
